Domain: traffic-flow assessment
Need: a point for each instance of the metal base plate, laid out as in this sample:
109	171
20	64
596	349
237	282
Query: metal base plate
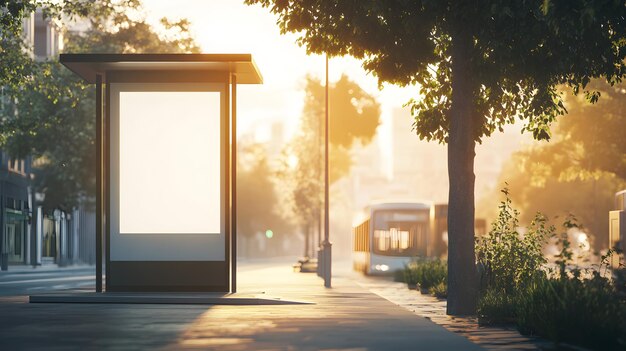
161	298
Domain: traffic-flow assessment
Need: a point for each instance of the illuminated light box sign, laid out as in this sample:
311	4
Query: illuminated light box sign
165	172
166	134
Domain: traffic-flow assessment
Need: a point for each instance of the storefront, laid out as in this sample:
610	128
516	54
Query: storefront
14	211
28	233
15	222
15	235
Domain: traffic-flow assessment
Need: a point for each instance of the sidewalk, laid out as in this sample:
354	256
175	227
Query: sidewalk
345	317
492	338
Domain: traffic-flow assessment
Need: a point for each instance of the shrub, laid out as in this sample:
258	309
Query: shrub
427	273
412	274
398	276
507	259
433	273
561	306
620	281
496	307
440	290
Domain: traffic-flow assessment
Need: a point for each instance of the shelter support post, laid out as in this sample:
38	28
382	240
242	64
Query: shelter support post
99	182
233	242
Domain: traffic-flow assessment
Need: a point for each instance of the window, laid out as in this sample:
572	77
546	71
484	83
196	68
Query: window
17	166
400	232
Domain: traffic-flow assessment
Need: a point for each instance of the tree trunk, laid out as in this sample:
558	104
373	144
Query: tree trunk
306	240
462	278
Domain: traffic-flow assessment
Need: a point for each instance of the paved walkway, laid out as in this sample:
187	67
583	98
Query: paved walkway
493	338
345	317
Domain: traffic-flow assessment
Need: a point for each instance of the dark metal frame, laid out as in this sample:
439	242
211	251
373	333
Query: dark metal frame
233	156
182	271
226	164
99	172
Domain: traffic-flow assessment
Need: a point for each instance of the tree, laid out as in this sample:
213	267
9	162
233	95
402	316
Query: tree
591	137
533	188
479	65
355	118
52	120
356	115
257	199
15	60
579	170
113	30
50	113
17	66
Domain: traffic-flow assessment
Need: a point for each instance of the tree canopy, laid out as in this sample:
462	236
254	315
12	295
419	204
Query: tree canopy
355	118
17	65
522	51
590	140
479	66
355	113
258	200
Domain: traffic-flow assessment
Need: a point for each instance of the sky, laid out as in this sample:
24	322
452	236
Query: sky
229	26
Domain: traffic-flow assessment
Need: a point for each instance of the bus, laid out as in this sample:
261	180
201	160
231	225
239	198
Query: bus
392	233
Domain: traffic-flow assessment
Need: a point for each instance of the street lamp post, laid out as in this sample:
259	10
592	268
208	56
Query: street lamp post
320	202
326	245
37	216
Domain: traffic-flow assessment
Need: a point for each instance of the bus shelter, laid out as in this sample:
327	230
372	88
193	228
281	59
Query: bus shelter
166	158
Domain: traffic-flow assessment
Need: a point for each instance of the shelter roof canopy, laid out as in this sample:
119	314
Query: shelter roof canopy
87	66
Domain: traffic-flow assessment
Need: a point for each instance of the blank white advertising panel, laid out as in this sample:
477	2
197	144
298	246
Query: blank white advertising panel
166	188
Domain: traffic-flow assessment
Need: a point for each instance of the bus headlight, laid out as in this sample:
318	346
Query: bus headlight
381	267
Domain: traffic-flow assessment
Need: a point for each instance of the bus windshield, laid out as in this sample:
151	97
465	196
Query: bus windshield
400	232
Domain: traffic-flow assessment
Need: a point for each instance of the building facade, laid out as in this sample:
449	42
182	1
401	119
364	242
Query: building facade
29	235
